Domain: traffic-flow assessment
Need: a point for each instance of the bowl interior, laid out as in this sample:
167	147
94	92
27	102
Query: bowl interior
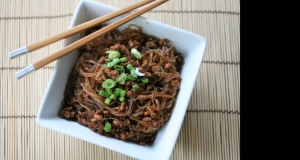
191	46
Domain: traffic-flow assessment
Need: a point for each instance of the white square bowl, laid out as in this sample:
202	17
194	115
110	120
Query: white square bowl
191	46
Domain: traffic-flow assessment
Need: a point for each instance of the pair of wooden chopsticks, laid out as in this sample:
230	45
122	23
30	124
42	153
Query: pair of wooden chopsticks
83	40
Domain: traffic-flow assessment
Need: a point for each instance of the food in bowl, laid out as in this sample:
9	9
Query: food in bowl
124	84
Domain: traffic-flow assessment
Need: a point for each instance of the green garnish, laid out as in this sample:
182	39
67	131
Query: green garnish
117	91
119	68
108	83
121	78
113	62
135	86
110	64
130	67
109	91
103	93
122	94
123	59
121	99
130	78
132	71
107	126
113	54
113	97
110	95
107	100
136	53
144	80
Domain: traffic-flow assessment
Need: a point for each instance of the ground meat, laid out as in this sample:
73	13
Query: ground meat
147	119
129	93
174	83
112	74
150	87
156	68
117	123
163	42
101	60
67	113
147	74
144	67
116	47
168	65
151	45
134	44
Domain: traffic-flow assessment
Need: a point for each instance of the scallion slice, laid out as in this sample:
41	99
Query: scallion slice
117	91
109	91
133	73
135	86
108	83
103	93
121	99
122	94
107	126
130	78
144	80
130	67
107	100
113	97
113	62
136	53
123	59
121	78
113	54
119	68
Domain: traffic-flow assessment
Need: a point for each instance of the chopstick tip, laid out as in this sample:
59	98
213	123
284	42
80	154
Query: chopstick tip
23	72
17	52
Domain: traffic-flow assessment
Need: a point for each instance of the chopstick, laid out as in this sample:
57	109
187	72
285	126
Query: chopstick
86	39
74	30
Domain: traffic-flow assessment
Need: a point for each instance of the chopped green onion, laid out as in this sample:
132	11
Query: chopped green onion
136	53
108	83
116	60
107	126
103	93
109	91
113	62
135	86
121	78
117	91
110	64
122	94
144	80
107	100
119	68
130	78
138	80
113	54
123	59
133	73
121	99
113	97
130	67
